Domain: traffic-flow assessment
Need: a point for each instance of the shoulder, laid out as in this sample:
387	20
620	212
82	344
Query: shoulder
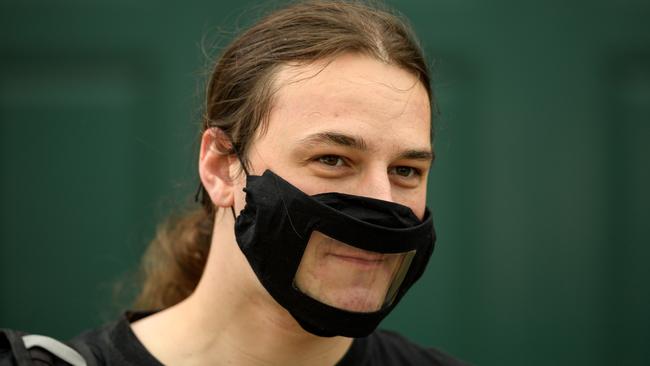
115	343
398	350
96	343
111	344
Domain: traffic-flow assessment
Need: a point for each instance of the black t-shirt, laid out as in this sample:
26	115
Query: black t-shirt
116	344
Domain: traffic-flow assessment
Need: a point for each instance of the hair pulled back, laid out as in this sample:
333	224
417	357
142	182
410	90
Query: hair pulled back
238	101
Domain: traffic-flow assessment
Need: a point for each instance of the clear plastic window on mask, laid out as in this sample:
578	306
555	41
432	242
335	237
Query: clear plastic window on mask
349	278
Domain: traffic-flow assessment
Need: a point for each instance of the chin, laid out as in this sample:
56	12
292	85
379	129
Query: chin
360	300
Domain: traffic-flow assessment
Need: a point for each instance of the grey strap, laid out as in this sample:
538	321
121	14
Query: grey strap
57	348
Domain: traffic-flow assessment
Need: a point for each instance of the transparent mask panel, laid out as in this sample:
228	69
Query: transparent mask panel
349	278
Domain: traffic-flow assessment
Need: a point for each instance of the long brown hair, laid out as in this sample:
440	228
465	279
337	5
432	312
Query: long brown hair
238	101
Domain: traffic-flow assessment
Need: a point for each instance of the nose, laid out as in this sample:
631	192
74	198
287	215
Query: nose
376	184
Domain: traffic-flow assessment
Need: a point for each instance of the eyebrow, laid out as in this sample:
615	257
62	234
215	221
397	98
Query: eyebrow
426	155
335	138
358	143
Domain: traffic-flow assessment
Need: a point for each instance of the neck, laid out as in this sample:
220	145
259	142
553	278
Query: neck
231	319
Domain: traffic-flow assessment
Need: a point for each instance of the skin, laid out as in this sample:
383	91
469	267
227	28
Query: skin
346	277
354	125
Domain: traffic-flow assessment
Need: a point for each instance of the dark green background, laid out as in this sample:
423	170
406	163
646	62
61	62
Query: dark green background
540	191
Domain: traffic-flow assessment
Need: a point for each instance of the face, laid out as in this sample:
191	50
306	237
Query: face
356	126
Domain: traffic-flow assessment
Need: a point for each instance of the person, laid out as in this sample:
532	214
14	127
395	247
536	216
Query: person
313	162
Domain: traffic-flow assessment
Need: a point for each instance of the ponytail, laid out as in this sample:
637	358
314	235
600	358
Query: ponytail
175	259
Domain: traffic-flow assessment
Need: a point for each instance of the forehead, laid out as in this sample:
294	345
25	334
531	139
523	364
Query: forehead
351	94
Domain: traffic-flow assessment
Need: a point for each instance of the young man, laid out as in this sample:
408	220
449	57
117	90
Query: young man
313	164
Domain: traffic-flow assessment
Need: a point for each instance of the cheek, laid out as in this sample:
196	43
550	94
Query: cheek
416	201
311	185
418	210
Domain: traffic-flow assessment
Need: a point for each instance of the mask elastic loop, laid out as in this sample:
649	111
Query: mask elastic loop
241	162
198	196
243	166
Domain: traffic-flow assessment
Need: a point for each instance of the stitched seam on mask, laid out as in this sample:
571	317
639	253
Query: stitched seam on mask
286	210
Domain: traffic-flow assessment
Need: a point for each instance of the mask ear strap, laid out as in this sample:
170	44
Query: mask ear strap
198	195
243	166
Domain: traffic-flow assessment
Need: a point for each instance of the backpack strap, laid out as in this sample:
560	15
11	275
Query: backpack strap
55	347
12	349
19	348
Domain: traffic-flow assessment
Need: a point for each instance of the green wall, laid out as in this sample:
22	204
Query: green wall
540	190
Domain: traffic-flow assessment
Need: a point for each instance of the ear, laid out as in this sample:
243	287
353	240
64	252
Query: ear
215	166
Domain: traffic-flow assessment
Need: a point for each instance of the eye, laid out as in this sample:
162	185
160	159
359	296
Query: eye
331	160
405	171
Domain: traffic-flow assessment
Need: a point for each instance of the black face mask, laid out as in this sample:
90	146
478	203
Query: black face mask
377	249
